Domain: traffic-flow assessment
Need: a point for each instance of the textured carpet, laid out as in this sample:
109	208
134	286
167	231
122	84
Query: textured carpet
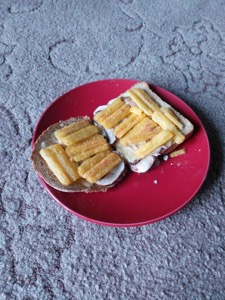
49	47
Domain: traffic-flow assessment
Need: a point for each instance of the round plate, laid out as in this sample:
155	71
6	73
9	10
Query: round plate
140	198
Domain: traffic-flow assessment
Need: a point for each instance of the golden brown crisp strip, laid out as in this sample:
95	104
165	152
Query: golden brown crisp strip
157	141
144	125
122	128
116	117
91	162
85	145
84	155
60	164
79	135
110	109
102	168
61	133
177	152
140	103
170	115
136	110
144	136
161	119
146	99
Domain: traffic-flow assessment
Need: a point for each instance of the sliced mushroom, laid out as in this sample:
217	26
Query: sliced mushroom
146	163
143	165
107	133
111	136
100	108
113	175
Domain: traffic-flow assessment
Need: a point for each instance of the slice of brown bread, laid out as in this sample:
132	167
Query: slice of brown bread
46	139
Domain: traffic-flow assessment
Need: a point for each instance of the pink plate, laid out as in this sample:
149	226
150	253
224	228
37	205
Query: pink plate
140	198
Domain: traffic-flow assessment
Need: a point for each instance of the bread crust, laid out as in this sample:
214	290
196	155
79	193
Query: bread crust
47	138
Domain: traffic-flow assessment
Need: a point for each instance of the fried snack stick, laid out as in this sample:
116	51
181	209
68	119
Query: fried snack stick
102	168
145	136
116	117
157	141
85	145
144	125
121	129
136	110
67	130
177	152
114	106
143	96
79	135
60	164
170	115
139	102
161	119
91	162
84	155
